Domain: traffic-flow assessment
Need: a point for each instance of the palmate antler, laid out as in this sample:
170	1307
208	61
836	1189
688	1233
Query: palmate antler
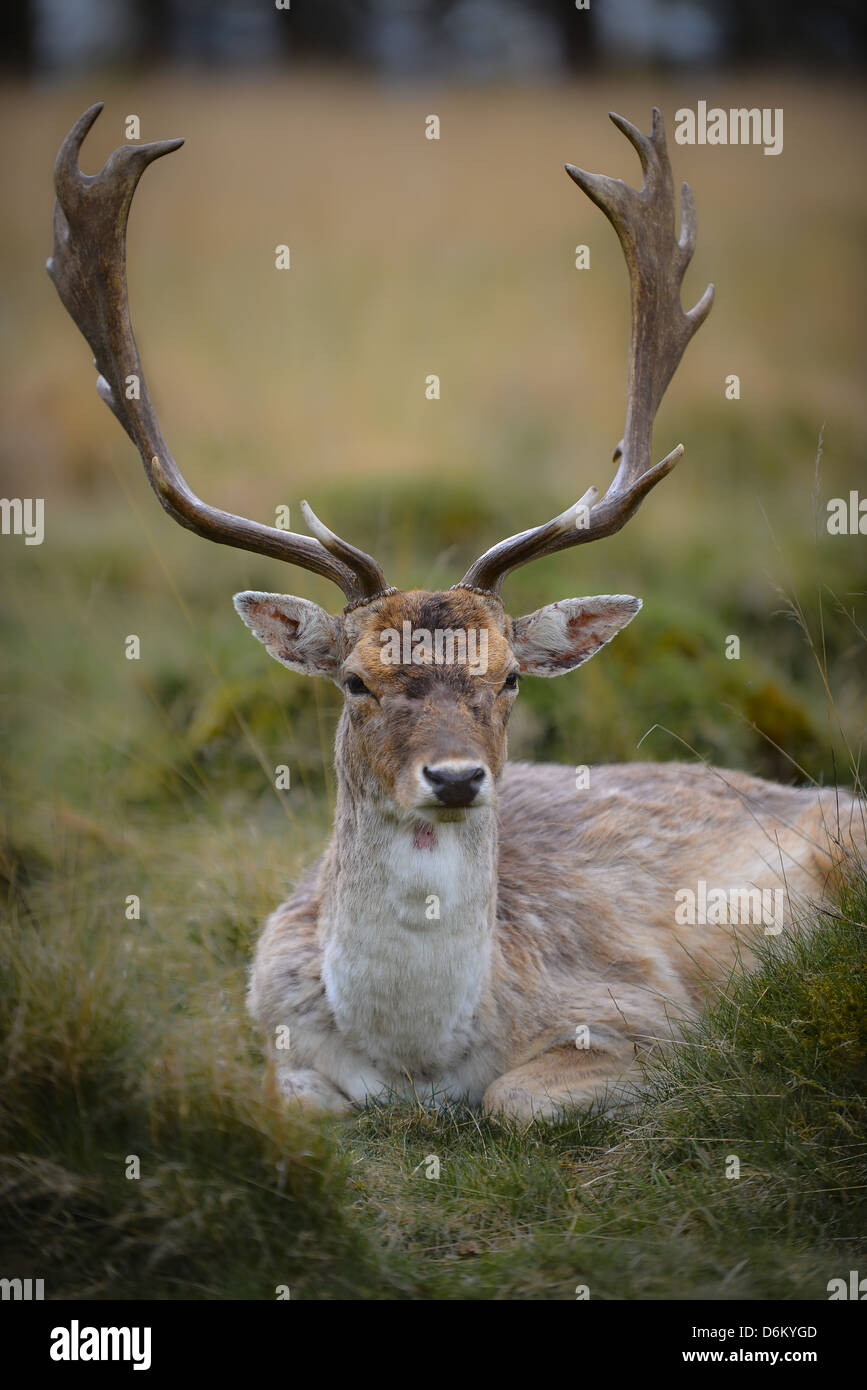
660	330
89	270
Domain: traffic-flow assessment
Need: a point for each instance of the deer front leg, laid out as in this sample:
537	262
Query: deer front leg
562	1079
307	1088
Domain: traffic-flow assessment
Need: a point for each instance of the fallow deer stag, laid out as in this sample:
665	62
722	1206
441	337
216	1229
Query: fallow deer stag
474	930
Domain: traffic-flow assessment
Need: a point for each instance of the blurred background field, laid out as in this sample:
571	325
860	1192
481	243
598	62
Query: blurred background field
409	257
412	257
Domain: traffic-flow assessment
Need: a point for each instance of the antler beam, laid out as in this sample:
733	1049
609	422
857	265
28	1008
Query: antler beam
89	271
644	221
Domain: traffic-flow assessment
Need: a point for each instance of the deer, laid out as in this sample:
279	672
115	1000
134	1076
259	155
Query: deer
478	931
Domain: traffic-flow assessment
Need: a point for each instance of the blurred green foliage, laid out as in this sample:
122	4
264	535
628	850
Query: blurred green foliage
156	777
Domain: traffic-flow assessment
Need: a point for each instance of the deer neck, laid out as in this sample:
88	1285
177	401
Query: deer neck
407	922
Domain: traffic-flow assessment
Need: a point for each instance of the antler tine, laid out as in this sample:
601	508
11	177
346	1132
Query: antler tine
644	220
89	271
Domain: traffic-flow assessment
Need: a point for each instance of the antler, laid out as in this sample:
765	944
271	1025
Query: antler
660	330
89	270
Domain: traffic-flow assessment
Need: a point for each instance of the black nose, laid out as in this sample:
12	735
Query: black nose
455	787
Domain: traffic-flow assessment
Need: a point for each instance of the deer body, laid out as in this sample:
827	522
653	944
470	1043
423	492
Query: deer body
554	912
474	930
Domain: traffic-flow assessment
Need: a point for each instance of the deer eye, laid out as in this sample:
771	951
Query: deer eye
355	685
511	681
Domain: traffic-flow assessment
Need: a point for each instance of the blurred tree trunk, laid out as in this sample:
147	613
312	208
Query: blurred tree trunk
577	30
156	29
16	36
797	30
327	30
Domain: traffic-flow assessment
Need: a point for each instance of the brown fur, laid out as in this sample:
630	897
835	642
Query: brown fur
580	927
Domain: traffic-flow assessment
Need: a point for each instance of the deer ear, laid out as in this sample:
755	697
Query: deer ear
297	633
562	635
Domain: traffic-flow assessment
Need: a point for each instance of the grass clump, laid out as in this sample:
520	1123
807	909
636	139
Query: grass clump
120	1045
644	1206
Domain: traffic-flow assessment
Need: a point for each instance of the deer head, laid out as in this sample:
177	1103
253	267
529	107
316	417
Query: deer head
429	678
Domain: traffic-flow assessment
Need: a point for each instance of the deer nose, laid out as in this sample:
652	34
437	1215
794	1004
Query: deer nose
455	786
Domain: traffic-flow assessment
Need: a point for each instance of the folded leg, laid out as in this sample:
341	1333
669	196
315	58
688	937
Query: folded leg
562	1079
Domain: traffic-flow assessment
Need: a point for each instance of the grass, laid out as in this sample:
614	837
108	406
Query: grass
153	779
123	1041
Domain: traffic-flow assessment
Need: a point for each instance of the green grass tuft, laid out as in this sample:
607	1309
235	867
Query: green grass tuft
118	1043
